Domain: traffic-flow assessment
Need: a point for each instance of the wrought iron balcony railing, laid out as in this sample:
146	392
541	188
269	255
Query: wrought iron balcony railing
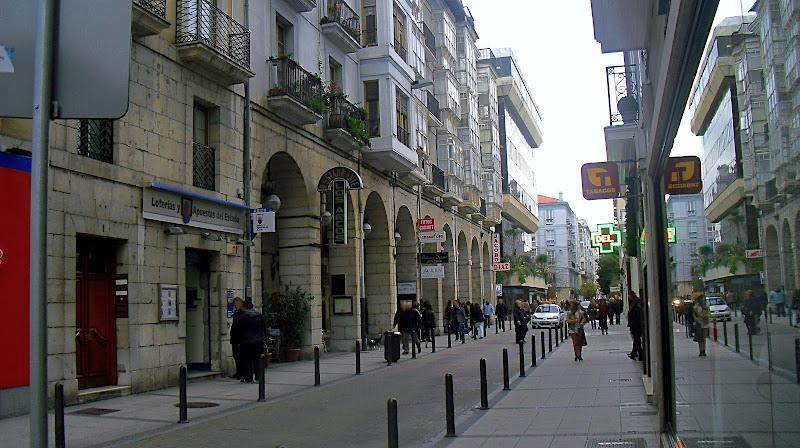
623	94
437	177
286	77
349	117
157	7
339	12
199	21
433	105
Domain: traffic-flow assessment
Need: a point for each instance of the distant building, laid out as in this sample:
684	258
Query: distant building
686	214
586	253
558	238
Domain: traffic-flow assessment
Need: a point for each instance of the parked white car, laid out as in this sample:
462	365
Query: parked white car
718	308
547	315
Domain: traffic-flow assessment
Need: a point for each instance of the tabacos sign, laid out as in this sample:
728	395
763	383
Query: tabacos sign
600	180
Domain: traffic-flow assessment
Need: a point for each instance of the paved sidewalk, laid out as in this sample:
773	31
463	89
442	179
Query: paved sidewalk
564	403
129	416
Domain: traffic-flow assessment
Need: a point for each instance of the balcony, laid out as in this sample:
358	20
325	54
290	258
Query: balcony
725	201
494	214
434	112
346	128
623	97
342	26
621	25
148	17
294	93
436	184
471	200
212	43
516	211
453	195
302	5
430	40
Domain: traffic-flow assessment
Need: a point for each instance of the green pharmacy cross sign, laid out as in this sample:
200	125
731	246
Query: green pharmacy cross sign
607	238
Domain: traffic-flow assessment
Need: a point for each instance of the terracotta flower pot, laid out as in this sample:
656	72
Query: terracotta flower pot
291	354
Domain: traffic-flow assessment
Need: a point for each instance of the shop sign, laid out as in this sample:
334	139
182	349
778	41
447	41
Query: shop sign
406	287
600	180
682	176
229	296
501	266
606	238
432	271
425	224
754	253
436	236
498	290
671	235
340	212
262	220
434	257
169	206
615	288
495	248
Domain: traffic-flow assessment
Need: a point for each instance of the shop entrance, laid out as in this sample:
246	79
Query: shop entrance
95	323
198	311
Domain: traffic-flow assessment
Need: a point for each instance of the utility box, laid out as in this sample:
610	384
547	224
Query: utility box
391	346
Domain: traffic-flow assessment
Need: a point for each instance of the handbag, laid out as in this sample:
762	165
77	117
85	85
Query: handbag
582	335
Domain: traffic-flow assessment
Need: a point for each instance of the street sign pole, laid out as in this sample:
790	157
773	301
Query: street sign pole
42	93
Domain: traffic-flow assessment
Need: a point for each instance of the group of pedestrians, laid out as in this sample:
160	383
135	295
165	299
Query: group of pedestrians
248	335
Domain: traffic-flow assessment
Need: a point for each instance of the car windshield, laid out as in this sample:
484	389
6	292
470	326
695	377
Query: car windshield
547	309
715	301
585	304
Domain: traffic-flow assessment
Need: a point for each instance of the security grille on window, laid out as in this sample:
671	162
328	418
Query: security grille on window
203	156
96	139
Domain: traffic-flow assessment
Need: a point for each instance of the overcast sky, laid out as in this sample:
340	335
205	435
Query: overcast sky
553	42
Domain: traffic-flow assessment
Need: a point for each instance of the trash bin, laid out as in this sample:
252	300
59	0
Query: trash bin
391	346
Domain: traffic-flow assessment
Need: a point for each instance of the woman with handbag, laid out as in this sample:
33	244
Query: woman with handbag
575	321
700	323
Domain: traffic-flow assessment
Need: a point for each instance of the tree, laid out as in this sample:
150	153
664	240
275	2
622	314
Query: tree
588	290
608	271
514	232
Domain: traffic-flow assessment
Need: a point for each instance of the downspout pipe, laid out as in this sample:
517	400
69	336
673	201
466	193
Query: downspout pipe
248	262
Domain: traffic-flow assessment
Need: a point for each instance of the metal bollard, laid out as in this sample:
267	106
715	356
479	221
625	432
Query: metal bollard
797	358
433	340
521	360
389	348
391	411
262	392
550	339
558	336
770	316
715	331
449	406
750	340
60	438
533	350
736	336
182	405
484	387
358	357
725	332
316	366
449	335
769	350
413	346
506	386
542	344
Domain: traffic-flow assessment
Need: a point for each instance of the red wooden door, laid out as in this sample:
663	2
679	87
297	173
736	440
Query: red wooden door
96	329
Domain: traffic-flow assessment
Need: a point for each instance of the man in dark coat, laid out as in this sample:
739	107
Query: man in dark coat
253	326
406	319
501	314
635	323
236	337
520	322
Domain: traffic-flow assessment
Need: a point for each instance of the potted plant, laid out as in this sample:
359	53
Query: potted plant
294	306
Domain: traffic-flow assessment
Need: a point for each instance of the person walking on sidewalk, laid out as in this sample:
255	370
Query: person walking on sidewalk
428	323
635	323
700	323
488	312
593	313
501	314
520	322
751	311
405	321
618	310
612	304
777	300
253	337
448	310
796	308
458	320
236	336
602	312
478	318
575	321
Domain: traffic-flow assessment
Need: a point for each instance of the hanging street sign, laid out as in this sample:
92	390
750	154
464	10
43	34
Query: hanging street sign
425	224
606	238
671	235
262	220
614	288
600	180
339	187
436	236
498	289
434	257
754	253
432	271
683	176
495	248
501	266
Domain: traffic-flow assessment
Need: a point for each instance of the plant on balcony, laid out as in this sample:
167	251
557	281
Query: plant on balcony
357	129
318	106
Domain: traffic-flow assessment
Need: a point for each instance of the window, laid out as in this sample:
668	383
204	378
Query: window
693	229
402	117
551	255
549	217
335	73
550	237
371	100
370	36
283	36
399	20
691	209
203	156
96	139
693	250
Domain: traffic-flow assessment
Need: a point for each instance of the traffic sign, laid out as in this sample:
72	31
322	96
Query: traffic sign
501	266
436	236
754	253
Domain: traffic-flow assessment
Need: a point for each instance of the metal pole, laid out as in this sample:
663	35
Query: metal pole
736	336
262	387
521	360
725	330
391	411
715	331
248	264
542	344
46	12
505	370
449	406
769	350
797	358
59	416
433	340
358	357
484	386
316	366
750	340
449	342
182	405
533	350
413	345
550	339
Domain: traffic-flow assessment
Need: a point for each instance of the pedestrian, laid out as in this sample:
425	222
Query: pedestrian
618	310
501	313
751	312
458	320
488	312
253	328
404	320
468	323
428	322
796	308
448	310
520	322
687	309
236	337
700	322
478	318
418	324
733	300
575	321
777	300
593	313
612	304
635	320
602	312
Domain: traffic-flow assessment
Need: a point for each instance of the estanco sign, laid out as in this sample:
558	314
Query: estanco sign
192	210
600	180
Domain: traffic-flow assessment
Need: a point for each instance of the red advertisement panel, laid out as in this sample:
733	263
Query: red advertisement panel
15	203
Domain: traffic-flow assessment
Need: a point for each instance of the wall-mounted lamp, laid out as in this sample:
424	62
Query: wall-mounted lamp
367	227
210	236
397	237
326	218
244	242
272	202
174	230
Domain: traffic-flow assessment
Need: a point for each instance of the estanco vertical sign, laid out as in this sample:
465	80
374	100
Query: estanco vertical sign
339	212
495	248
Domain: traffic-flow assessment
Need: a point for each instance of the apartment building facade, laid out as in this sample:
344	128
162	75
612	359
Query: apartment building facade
558	237
686	214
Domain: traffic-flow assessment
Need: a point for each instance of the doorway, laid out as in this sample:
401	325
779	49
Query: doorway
95	322
198	311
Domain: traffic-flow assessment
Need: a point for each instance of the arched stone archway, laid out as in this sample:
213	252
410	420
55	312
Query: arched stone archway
772	260
379	276
449	285
432	287
787	257
464	271
488	278
291	256
477	272
406	269
340	272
